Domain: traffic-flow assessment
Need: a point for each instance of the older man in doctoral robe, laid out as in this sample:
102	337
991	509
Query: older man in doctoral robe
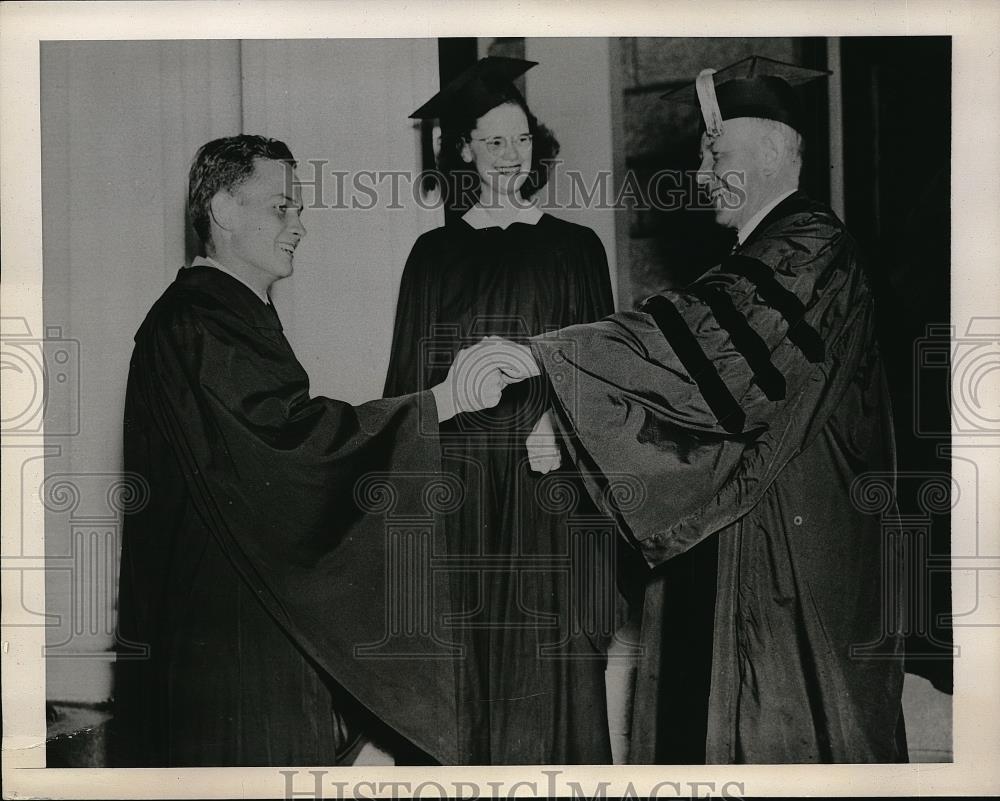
746	411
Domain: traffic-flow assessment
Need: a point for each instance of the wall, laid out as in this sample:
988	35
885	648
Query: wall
579	113
344	104
120	124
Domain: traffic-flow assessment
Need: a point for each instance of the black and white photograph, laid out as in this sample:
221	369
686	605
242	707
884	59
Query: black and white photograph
594	408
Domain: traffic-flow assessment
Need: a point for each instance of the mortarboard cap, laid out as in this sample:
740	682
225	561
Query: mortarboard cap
477	90
752	87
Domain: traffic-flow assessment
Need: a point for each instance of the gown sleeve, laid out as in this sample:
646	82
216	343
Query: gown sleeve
293	488
681	415
405	372
594	298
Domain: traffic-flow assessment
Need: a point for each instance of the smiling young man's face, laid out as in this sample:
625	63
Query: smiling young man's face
266	226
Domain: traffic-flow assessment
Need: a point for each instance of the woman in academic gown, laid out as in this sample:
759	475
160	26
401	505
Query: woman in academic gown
533	625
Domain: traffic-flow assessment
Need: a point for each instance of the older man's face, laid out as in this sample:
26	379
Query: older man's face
730	171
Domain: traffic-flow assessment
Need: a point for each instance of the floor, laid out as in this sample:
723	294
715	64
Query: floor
928	721
78	734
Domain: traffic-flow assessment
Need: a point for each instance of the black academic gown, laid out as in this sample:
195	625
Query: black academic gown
253	572
749	409
535	613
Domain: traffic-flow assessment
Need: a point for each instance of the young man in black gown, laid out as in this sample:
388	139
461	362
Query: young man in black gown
256	572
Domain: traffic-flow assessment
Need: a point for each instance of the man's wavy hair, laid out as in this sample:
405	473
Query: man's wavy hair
462	180
222	165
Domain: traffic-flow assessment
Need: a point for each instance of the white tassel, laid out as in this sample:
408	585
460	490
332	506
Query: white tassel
705	86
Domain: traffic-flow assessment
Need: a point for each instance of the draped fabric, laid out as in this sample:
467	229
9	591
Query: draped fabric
531	683
747	405
254	576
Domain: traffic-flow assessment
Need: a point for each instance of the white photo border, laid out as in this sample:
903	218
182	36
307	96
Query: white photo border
973	27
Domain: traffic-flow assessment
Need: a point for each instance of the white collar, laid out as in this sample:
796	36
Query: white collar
208	261
478	217
753	222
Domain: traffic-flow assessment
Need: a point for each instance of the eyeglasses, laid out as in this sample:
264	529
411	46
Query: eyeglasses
496	145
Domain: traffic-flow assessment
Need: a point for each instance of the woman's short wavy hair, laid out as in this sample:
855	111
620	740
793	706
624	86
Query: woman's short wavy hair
462	180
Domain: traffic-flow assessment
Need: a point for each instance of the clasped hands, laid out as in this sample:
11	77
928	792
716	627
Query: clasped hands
479	374
477	378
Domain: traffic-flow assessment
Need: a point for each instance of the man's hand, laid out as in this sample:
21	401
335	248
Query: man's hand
543	450
515	361
479	374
